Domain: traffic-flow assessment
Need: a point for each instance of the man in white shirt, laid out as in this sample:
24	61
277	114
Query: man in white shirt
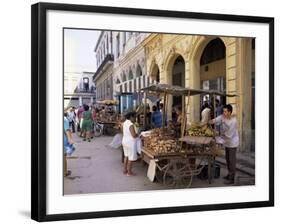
205	114
230	138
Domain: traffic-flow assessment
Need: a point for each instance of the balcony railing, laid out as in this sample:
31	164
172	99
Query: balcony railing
78	90
108	58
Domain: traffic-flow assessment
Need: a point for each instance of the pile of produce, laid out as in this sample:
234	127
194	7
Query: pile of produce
106	117
160	141
198	130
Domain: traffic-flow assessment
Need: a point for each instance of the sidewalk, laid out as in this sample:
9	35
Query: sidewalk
245	165
97	168
245	162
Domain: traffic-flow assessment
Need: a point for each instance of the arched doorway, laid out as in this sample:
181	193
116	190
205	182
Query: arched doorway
155	74
138	76
124	79
213	71
178	78
131	77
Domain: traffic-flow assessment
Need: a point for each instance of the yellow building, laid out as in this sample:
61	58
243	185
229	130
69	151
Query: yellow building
208	62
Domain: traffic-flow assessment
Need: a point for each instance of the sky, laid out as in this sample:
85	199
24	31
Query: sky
79	48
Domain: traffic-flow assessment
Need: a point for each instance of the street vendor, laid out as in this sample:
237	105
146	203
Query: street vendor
230	139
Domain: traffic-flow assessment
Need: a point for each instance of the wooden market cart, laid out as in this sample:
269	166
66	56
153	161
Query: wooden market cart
192	152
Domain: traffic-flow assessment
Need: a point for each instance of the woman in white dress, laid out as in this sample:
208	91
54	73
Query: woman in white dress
129	143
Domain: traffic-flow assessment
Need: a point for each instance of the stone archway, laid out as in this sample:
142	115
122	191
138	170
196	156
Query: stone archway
195	69
124	78
213	73
138	71
175	74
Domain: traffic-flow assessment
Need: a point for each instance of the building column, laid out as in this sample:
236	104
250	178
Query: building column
245	95
127	102
194	82
91	100
80	101
121	104
187	85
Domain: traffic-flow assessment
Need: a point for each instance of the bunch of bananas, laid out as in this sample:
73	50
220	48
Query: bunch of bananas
197	130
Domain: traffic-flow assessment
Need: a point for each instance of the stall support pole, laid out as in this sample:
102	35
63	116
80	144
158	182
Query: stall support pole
164	110
144	110
183	116
214	98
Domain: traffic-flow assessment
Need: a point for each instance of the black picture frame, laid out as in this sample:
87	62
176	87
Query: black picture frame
39	114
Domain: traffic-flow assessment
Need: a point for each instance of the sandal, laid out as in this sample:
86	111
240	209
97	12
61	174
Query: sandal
130	174
68	173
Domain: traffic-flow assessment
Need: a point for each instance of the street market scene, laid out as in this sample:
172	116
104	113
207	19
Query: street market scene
154	111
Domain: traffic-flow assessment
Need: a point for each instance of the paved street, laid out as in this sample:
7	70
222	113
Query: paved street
97	168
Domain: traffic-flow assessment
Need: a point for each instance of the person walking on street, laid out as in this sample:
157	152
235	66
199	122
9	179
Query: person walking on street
67	142
71	116
80	112
229	134
129	143
87	123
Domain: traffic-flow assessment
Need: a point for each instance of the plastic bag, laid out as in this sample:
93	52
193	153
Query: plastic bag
69	149
116	141
138	145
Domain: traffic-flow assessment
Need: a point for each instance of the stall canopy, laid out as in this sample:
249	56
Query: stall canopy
180	91
162	90
108	102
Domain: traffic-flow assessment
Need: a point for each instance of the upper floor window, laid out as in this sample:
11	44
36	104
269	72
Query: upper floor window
118	45
124	39
86	84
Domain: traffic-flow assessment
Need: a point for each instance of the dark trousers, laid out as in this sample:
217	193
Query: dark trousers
230	156
72	124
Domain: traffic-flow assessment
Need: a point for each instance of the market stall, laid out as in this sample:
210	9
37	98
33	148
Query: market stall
107	115
177	159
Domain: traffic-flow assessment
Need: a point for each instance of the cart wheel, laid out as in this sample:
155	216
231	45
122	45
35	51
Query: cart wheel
169	178
159	175
178	173
98	130
186	181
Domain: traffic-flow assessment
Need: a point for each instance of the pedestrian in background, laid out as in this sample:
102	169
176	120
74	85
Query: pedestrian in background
67	144
71	116
79	117
156	118
87	123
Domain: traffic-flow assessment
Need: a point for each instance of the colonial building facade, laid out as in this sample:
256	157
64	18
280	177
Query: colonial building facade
103	77
210	62
121	67
79	88
130	74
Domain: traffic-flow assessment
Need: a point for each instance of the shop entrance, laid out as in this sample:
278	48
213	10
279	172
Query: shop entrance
178	78
213	71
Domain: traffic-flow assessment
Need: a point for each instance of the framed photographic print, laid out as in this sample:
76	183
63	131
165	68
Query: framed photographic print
140	111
